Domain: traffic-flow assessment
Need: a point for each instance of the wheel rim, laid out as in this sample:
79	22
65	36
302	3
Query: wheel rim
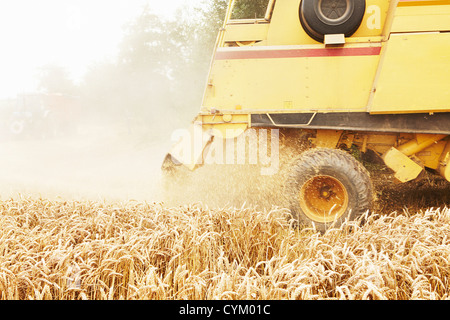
334	11
323	199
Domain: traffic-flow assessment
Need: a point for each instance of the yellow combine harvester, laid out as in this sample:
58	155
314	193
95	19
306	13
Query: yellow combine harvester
370	74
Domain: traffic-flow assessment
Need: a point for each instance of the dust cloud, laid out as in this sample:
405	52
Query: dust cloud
109	162
128	107
121	161
236	185
98	162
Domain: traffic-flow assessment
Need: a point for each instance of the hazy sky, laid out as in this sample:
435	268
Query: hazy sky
70	33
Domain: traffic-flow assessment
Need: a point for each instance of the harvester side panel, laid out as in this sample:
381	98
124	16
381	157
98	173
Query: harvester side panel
293	77
276	65
415	74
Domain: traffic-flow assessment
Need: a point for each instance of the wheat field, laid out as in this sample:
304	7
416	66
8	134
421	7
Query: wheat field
135	250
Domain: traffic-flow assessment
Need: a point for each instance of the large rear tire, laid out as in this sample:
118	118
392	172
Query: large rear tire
326	187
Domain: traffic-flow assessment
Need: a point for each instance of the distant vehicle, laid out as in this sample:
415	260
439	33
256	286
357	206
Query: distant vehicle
38	115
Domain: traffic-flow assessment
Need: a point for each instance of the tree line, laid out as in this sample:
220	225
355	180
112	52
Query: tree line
160	72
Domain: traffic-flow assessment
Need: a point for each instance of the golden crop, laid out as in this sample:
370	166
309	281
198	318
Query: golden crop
135	250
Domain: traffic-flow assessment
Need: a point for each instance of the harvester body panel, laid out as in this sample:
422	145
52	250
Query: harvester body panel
386	72
276	66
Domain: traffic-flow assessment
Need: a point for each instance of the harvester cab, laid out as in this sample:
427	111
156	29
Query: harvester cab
350	74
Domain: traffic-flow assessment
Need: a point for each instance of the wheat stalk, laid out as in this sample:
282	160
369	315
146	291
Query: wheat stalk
133	250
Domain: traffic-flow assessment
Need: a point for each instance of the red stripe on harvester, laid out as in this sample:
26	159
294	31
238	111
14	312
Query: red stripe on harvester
296	53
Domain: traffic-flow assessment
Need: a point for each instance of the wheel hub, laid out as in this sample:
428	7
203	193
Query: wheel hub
334	11
323	199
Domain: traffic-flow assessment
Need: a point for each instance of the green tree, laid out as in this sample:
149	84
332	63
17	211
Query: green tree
165	63
250	9
161	71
